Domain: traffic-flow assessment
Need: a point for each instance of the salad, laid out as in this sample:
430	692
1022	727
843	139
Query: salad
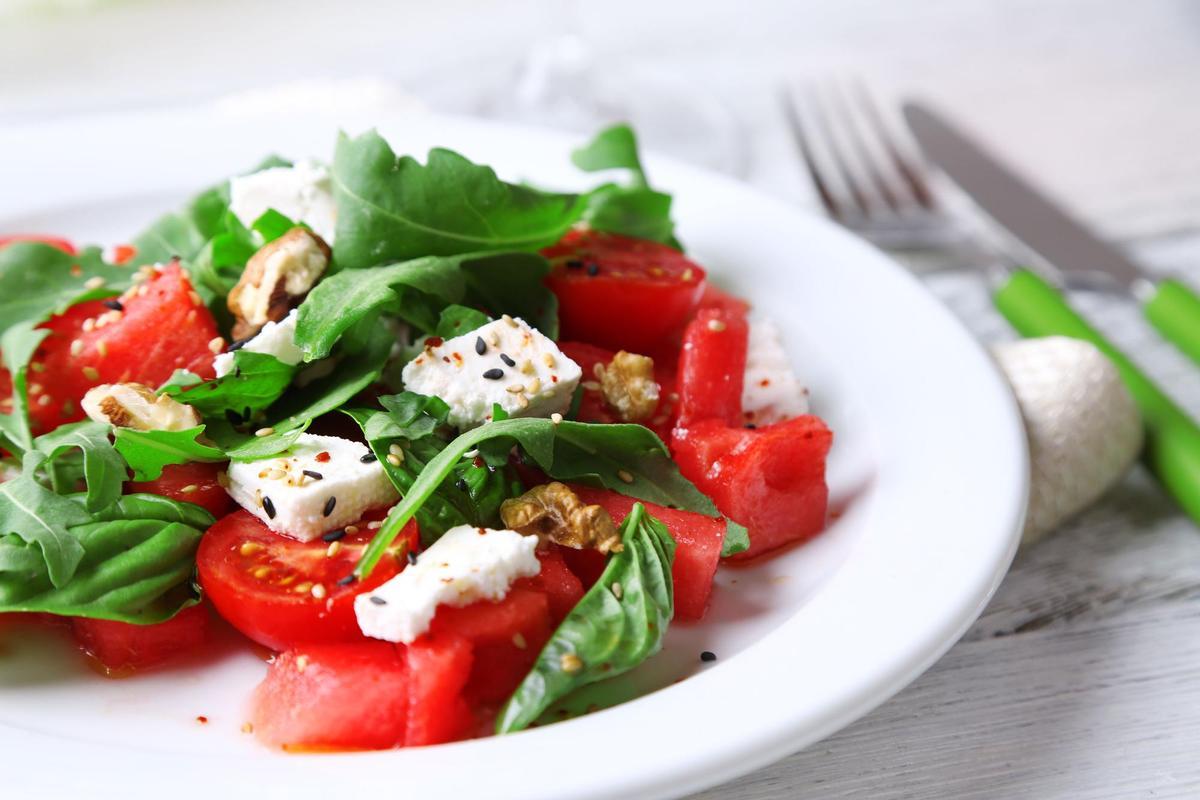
450	448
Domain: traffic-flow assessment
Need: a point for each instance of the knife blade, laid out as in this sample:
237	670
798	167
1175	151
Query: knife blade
1049	231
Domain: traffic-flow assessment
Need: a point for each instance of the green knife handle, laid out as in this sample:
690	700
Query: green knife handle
1035	308
1175	310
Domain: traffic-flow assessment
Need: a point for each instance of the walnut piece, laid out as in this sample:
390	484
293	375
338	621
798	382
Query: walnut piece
276	279
132	405
629	387
552	511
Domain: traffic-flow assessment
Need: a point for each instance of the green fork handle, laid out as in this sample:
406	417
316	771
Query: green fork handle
1036	308
1174	309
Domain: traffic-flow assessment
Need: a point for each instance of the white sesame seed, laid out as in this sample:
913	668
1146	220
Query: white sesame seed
44	400
591	386
617	590
624	476
191	487
264	432
522	401
515	388
394	460
556	418
396	450
248	727
688	274
249	548
351	530
76	347
35	389
93	283
570	662
527	367
37	366
318	590
716	325
89	325
91	373
102	348
548	360
216	345
375	525
301	663
333	549
534	386
512	322
518	640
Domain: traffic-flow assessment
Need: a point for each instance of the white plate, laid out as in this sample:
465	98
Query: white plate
928	476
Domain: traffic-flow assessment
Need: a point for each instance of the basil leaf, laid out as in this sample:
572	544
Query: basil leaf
103	469
394	208
256	381
614	147
354	373
597	454
611	630
37	281
147	452
17	346
153	506
456	320
39	517
737	539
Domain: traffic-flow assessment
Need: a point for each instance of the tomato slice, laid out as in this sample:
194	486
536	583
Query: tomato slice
120	648
622	293
54	241
771	479
334	696
190	483
712	366
161	327
593	407
264	583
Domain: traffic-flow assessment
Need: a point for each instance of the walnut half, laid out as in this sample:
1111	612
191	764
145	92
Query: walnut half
276	279
132	405
552	511
629	387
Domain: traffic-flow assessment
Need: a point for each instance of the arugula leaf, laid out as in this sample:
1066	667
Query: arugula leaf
147	452
610	630
354	373
737	539
137	563
456	320
571	451
418	291
395	208
39	517
636	209
256	381
615	147
17	346
37	280
103	469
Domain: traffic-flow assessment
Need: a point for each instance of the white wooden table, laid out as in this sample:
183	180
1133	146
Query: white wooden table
1082	678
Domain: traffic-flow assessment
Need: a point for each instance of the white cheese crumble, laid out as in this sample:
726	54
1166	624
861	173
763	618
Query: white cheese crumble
770	391
505	362
465	566
276	338
303	193
319	485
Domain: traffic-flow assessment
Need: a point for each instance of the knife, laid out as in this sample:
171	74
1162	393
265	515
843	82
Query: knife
1037	308
1050	232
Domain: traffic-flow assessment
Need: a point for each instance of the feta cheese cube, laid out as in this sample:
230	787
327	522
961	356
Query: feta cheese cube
303	193
505	362
276	338
322	483
770	391
466	565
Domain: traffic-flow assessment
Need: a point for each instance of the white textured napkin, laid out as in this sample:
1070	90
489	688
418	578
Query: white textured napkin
1083	427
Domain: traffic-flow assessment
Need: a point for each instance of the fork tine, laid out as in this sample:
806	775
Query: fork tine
808	156
850	122
841	160
913	176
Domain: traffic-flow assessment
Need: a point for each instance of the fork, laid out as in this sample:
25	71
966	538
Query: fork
865	178
865	181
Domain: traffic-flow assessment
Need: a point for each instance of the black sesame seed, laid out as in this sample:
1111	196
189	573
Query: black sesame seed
268	507
333	536
329	504
368	458
507	360
751	426
234	417
238	344
708	656
461	484
316	476
115	305
377	600
480	345
412	556
593	269
346	581
574	263
494	374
